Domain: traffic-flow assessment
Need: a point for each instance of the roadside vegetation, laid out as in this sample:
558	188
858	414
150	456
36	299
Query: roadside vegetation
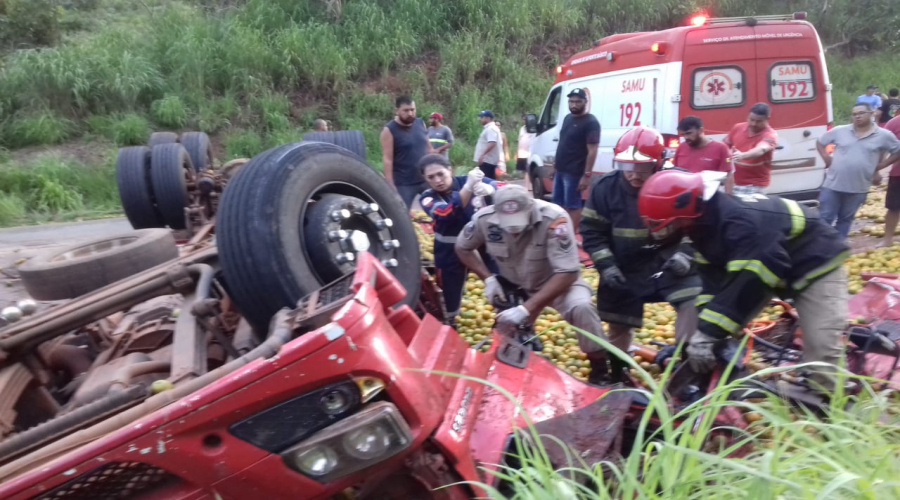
255	73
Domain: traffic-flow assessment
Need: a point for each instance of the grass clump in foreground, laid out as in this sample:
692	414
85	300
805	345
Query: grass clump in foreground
850	452
52	188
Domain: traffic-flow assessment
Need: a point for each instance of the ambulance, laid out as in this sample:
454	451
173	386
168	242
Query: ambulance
714	68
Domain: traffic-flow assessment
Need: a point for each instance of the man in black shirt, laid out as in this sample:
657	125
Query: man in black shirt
579	137
890	107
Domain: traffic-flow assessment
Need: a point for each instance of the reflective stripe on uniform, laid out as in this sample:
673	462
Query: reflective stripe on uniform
703	299
798	220
683	294
601	254
826	268
628	232
444	239
756	267
720	320
590	213
699	258
438	140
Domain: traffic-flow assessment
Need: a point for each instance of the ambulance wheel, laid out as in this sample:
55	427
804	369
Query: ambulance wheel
294	218
537	184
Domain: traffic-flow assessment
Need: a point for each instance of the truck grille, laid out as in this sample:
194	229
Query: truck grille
115	480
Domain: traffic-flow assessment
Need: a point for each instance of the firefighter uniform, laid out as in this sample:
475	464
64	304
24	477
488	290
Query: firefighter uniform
752	247
615	235
450	216
528	260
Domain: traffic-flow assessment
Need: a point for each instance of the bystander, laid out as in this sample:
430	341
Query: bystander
487	149
320	125
439	135
872	98
890	107
579	137
752	143
523	148
403	143
698	152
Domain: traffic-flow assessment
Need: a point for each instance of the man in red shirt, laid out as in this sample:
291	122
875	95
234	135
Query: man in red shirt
698	152
892	198
752	144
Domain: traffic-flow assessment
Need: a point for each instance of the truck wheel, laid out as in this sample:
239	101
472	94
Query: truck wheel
293	220
352	140
75	270
170	171
199	149
133	180
162	138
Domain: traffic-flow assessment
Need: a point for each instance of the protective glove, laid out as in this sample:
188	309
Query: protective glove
678	264
482	189
700	352
509	320
493	291
613	278
474	178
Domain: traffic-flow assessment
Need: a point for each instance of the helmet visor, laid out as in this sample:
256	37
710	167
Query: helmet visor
638	168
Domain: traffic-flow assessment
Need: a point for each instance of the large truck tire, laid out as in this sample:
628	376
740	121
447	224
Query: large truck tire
75	270
199	148
281	232
135	192
170	169
157	138
352	140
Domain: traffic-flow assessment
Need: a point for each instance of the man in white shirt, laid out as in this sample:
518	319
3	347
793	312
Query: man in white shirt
487	149
523	147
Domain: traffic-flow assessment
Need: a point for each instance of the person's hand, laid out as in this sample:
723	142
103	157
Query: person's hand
474	178
509	320
482	189
613	278
678	264
737	155
584	183
876	179
828	159
700	352
493	290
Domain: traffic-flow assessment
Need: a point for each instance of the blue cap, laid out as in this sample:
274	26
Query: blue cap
487	112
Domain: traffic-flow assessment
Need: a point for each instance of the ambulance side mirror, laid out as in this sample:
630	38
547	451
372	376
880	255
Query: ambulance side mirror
531	124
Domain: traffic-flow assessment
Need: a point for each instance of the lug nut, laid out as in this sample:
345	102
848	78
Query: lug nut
384	223
337	235
27	306
343	258
339	215
371	207
390	263
11	314
390	245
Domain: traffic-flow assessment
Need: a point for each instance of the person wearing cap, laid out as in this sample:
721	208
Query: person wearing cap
634	268
487	149
872	98
439	135
450	201
533	244
579	137
750	249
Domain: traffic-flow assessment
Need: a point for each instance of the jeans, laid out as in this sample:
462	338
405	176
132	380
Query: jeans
408	192
565	190
749	189
838	209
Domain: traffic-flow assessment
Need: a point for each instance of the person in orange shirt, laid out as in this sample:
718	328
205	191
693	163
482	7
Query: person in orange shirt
752	144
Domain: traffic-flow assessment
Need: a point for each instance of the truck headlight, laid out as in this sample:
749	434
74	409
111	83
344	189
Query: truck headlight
373	435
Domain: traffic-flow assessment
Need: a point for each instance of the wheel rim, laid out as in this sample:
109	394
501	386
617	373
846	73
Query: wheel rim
359	224
94	249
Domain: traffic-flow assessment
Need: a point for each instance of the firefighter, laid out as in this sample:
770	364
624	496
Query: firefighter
749	249
450	201
533	244
634	268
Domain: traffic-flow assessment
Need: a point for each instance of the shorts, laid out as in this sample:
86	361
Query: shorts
626	307
521	163
565	191
892	197
749	189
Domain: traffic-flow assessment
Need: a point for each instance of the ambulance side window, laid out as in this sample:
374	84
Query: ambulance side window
718	87
791	81
551	110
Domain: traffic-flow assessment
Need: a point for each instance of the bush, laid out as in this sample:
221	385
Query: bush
129	130
12	209
41	128
272	110
32	22
169	112
242	144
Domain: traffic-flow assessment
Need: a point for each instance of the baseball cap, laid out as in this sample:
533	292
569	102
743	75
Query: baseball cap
487	112
513	206
437	115
872	87
578	93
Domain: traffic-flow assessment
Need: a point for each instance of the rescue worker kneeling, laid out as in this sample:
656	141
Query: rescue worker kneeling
533	245
750	248
634	268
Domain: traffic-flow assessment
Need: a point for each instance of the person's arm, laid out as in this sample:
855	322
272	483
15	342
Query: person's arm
596	229
387	154
467	244
487	149
724	165
823	152
764	146
585	181
449	143
506	146
729	182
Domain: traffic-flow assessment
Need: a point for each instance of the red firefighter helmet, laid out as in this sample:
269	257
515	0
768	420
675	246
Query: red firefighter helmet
639	146
671	195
